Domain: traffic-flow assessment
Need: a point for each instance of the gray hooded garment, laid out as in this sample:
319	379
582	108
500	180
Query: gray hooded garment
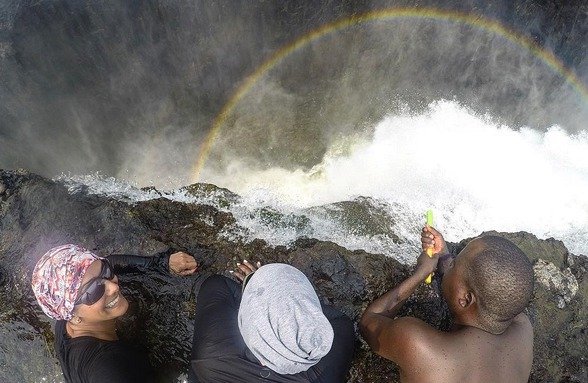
281	320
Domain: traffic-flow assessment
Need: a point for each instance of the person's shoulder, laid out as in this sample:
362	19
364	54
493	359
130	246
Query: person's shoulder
115	362
418	332
520	330
60	333
405	339
334	314
76	355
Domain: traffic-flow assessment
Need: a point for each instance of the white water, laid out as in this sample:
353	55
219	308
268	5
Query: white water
474	174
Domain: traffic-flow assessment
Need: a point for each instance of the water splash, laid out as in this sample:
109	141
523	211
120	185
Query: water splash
476	175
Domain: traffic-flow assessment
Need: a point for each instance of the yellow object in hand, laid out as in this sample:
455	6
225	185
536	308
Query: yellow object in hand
430	249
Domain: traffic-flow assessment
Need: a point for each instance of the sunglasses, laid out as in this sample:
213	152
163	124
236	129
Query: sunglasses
94	289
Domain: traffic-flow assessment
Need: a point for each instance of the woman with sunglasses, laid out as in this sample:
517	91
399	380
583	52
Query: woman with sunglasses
80	290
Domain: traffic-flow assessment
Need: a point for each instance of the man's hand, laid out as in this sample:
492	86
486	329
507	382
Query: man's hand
431	238
426	265
181	263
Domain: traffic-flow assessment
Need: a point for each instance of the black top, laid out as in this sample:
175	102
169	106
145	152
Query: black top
87	359
219	353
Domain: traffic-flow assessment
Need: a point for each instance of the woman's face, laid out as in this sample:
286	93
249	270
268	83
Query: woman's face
110	305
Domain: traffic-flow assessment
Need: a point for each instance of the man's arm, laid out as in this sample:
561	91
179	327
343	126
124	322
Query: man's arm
395	338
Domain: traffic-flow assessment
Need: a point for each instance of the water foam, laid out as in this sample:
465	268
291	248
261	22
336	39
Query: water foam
476	175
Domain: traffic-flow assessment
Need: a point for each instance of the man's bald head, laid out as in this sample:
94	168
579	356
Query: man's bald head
501	277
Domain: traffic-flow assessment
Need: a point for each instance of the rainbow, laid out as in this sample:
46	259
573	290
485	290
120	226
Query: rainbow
385	14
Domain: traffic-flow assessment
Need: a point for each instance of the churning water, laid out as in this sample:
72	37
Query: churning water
475	174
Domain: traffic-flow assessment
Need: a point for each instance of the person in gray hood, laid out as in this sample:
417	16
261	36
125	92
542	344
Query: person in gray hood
273	329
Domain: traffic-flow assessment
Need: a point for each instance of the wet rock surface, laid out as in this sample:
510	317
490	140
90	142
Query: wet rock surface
36	214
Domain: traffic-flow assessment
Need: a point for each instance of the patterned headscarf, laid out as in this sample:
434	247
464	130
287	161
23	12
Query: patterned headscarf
57	278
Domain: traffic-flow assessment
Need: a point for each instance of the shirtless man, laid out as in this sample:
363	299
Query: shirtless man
486	287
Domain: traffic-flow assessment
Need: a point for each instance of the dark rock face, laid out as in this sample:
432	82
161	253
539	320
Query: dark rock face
36	214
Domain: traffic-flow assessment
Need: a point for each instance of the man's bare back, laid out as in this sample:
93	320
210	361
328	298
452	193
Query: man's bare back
473	355
481	348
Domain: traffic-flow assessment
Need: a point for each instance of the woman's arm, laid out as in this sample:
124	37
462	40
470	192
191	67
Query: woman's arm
176	262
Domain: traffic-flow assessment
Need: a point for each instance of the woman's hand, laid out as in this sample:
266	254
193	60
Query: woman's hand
181	263
244	269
